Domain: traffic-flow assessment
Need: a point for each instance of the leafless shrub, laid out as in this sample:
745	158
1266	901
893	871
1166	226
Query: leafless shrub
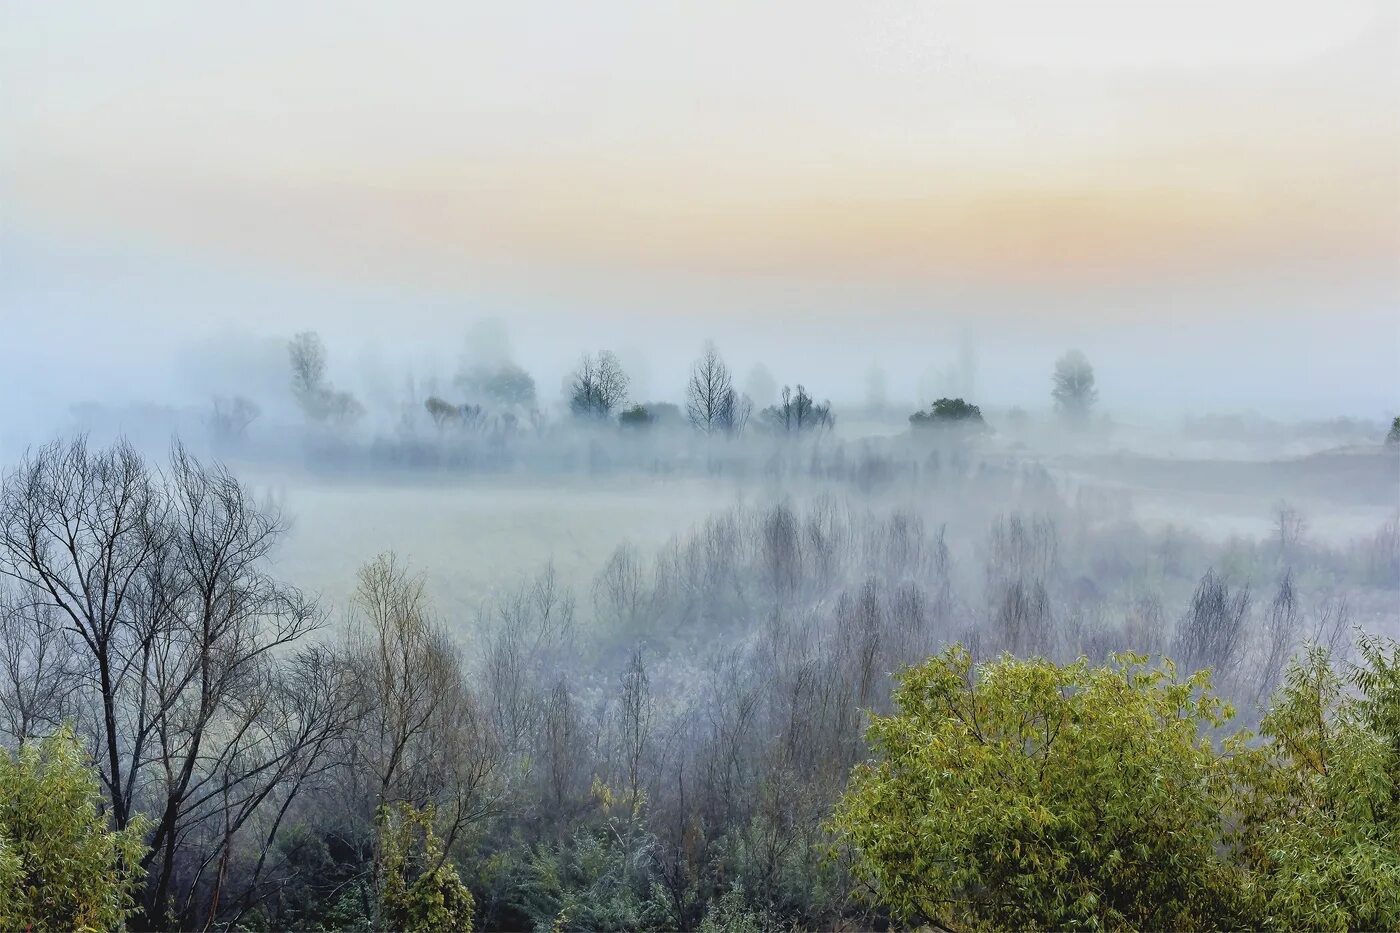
1022	622
1289	530
1211	634
419	737
620	594
635	722
1145	626
231	417
39	666
1280	636
781	543
1332	630
526	631
1022	549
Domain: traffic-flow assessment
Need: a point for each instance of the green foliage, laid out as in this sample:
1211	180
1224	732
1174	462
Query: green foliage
1028	794
1319	805
597	879
419	889
1394	436
327	887
729	914
61	868
949	412
775	862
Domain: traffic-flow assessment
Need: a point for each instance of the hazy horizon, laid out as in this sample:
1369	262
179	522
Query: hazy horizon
1203	197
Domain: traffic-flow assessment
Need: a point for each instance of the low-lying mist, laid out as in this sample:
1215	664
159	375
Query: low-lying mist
622	652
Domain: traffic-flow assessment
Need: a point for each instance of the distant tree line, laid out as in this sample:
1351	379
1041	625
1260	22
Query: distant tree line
597	391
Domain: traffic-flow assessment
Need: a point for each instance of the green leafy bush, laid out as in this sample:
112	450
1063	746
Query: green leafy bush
419	886
636	417
949	412
61	868
1026	794
1319	801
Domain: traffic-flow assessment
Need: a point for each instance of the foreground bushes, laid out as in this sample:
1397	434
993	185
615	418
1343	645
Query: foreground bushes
669	753
1319	803
61	868
1021	793
1012	794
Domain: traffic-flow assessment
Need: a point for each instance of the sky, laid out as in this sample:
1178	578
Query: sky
1204	196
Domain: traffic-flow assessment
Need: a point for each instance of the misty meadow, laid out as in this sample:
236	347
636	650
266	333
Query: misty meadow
927	466
708	663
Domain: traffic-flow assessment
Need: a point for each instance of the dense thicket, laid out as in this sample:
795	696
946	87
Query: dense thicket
667	749
1023	793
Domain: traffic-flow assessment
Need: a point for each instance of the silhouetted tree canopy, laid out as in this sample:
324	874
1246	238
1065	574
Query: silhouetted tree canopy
598	387
798	413
319	399
636	417
948	412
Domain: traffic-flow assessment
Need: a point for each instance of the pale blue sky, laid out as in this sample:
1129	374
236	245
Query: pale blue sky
1202	195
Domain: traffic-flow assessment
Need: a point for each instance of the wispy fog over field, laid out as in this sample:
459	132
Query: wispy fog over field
701	467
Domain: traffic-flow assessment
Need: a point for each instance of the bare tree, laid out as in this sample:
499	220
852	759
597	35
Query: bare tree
319	399
1290	529
598	386
231	417
181	644
740	409
1073	390
1212	632
420	738
307	354
635	725
527	631
1280	637
1023	624
218	621
78	529
798	413
1333	627
38	666
619	590
710	396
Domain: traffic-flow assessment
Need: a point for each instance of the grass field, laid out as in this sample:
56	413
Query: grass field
478	535
472	536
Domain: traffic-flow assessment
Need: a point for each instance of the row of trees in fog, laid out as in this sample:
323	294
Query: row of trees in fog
203	745
501	395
